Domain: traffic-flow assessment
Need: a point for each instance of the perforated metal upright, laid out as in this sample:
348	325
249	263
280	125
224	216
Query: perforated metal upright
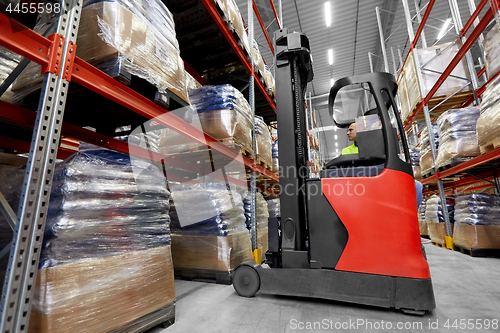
251	101
19	285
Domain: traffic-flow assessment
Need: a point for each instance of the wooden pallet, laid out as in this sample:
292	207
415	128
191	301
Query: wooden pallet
163	317
454	102
477	252
427	173
204	275
443	246
454	162
490	145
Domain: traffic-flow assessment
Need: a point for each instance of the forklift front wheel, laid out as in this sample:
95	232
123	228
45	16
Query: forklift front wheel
246	281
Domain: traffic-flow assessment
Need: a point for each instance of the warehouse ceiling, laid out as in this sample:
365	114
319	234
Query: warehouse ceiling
353	34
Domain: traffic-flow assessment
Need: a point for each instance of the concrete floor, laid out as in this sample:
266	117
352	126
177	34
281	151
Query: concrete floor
465	288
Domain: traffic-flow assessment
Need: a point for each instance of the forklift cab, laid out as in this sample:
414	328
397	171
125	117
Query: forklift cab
367	101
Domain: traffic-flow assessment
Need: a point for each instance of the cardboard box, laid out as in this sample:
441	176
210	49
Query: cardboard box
102	294
216	253
477	236
263	241
437	232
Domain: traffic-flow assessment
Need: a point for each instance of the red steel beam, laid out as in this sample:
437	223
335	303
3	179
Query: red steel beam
481	159
263	26
275	14
23	41
473	17
422	24
195	74
225	31
454	62
22	146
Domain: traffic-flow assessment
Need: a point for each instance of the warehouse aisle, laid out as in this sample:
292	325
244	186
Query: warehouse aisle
465	288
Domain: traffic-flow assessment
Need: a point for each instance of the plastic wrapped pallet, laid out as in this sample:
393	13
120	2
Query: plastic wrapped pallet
426	162
263	142
491	46
269	80
220	111
457	134
274	151
415	163
105	262
436	58
477	221
273	206
422	225
234	15
212	239
191	83
434	218
138	36
487	125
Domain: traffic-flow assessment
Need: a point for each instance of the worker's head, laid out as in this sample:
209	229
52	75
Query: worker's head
351	132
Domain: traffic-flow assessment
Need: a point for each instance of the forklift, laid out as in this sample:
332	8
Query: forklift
351	235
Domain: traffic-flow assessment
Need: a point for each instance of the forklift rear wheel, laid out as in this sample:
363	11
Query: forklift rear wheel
246	281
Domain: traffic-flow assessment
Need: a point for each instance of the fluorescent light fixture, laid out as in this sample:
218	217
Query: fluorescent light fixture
332	81
335	129
328	14
330	56
336	144
444	28
335	137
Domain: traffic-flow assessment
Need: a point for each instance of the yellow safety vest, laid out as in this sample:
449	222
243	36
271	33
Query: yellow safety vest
352	149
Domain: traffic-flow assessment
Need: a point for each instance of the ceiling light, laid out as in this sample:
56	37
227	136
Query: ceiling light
335	129
336	144
330	56
335	137
443	29
332	81
328	14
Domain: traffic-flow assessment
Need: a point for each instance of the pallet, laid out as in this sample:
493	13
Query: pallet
163	317
204	275
425	236
454	102
443	246
489	146
454	162
427	173
477	252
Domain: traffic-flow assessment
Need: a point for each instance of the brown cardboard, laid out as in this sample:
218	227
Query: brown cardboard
263	241
102	294
437	232
219	253
477	236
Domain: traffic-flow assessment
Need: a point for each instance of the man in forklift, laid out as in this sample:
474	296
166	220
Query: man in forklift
353	149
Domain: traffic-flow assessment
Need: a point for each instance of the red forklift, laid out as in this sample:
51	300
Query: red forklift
351	235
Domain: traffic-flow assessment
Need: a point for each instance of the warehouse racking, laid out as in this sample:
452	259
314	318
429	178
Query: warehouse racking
476	173
52	53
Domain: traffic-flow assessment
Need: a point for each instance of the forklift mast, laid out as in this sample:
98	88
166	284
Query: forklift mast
293	72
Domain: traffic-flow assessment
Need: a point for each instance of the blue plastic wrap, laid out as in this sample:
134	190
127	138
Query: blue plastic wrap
261	210
477	209
434	210
206	209
101	206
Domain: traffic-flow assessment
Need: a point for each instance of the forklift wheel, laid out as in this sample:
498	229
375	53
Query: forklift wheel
246	281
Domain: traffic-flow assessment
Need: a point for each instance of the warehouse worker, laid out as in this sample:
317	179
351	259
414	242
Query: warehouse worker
351	134
353	149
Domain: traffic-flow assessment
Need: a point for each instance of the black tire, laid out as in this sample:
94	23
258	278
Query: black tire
246	281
